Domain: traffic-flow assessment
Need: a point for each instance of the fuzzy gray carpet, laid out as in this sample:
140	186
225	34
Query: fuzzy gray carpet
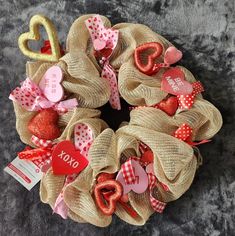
204	31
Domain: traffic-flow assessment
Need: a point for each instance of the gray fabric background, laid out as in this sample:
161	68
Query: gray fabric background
204	31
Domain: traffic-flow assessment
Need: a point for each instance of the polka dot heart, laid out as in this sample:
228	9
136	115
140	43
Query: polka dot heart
83	138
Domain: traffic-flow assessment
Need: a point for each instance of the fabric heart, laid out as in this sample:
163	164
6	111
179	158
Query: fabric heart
44	125
147	68
172	55
174	82
114	194
66	160
50	84
147	156
169	105
34	34
141	179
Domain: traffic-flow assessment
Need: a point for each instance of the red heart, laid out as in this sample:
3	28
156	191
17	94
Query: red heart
44	125
169	105
174	82
172	55
107	204
67	160
147	68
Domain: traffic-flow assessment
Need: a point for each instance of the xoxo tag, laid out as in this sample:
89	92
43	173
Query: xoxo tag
174	82
50	84
141	179
66	160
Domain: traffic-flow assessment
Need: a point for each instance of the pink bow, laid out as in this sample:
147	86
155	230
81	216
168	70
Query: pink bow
186	101
104	41
31	98
185	132
130	178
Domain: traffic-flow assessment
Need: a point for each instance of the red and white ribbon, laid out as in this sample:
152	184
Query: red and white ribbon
186	101
185	132
129	178
31	98
105	39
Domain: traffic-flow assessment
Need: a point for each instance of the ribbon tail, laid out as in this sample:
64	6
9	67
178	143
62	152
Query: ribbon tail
109	74
60	207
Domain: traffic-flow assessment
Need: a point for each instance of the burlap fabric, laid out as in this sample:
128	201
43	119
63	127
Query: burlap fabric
175	162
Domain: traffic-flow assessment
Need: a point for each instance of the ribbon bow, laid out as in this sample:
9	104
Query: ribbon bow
31	98
187	101
130	178
185	132
104	41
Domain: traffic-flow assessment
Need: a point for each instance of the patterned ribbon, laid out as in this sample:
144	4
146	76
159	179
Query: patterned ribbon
129	178
186	101
185	132
104	41
31	98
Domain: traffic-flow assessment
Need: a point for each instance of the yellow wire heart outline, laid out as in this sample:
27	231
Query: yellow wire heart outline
34	34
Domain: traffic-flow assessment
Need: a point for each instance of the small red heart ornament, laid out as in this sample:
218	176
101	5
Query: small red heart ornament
172	55
169	105
107	202
44	125
174	82
67	160
147	68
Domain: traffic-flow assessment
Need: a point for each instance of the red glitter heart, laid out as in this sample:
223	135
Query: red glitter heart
44	125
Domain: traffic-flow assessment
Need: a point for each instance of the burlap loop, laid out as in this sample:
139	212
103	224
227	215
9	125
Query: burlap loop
79	194
52	185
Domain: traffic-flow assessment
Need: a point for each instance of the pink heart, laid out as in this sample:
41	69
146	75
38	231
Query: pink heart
99	44
149	169
172	55
141	183
174	82
50	84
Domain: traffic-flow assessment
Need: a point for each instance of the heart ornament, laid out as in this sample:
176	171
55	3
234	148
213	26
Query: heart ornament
34	34
141	181
66	160
174	82
172	55
169	105
111	197
50	84
44	125
147	68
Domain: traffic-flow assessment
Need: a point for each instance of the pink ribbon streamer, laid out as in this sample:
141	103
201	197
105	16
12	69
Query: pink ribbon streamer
105	38
129	178
83	137
31	98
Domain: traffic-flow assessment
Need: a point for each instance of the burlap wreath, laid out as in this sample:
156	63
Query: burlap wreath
175	161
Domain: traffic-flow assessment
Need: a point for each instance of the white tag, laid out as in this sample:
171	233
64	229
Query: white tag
28	173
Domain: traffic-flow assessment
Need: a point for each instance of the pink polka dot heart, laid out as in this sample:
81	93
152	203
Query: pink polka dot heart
83	138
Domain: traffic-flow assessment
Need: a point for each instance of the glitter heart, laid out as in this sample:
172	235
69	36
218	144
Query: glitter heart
44	125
